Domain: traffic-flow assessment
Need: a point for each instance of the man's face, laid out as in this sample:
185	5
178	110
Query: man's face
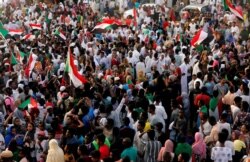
139	127
150	110
13	85
181	113
197	85
17	122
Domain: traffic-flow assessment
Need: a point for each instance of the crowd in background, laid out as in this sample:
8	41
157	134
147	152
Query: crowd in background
150	95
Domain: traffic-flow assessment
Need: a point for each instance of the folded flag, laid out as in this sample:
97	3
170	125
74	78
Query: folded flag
15	32
36	26
76	78
236	11
31	102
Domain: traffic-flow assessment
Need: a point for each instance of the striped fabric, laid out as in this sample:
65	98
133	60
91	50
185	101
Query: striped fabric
151	151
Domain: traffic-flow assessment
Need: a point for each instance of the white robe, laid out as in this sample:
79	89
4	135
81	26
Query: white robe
184	82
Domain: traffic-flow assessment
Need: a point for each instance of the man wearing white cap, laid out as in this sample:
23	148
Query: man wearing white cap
59	94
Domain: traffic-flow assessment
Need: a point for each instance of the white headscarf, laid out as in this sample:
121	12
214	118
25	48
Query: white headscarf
55	153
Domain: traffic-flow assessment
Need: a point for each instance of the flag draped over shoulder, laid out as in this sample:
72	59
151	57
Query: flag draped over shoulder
76	78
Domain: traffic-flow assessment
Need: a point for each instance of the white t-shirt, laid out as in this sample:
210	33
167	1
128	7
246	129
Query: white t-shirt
224	126
161	112
235	110
156	118
221	154
207	128
228	144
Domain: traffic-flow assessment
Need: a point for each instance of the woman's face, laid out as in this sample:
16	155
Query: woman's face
243	128
233	136
30	127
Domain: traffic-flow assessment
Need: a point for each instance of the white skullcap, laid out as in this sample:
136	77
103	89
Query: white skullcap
62	88
62	66
20	86
103	121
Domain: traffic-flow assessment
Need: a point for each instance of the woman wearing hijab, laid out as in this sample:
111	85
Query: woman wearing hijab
55	153
166	153
198	148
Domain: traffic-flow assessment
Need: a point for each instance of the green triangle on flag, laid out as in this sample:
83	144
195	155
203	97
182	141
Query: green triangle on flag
23	54
226	8
56	32
26	103
13	60
109	27
4	32
37	33
199	48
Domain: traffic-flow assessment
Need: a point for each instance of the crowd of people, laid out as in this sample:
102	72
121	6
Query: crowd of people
149	94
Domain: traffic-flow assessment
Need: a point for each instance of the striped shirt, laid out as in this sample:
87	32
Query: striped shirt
151	151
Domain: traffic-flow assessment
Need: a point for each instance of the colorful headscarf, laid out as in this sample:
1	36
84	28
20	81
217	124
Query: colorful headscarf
199	146
168	147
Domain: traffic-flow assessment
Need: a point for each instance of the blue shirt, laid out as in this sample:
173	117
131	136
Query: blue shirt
88	117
